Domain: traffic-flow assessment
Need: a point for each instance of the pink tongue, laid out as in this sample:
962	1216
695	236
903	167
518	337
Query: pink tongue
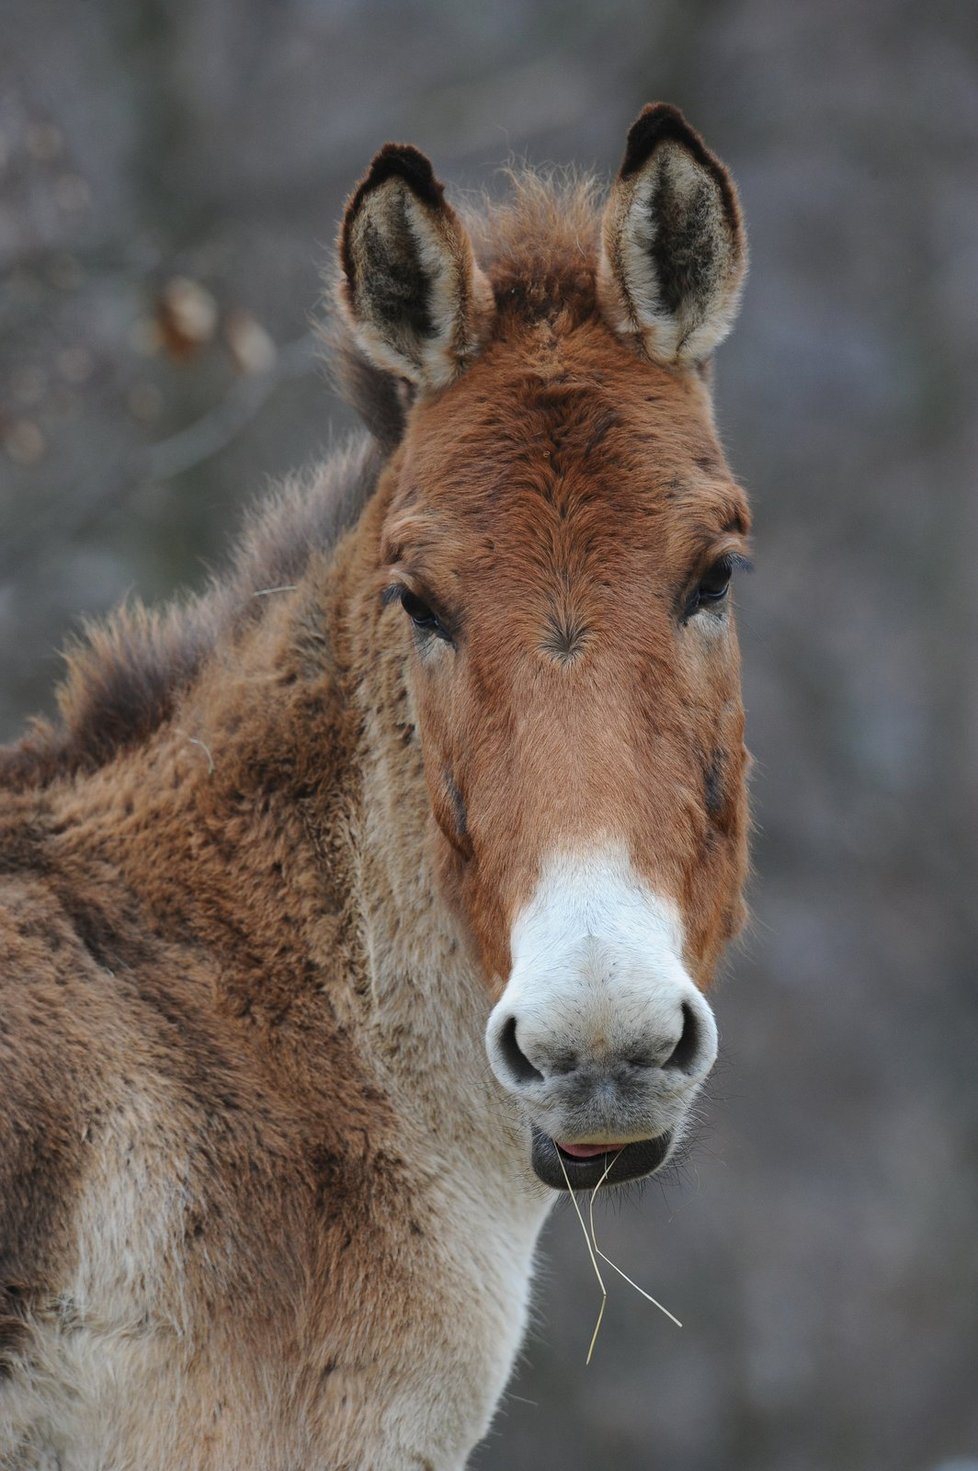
585	1151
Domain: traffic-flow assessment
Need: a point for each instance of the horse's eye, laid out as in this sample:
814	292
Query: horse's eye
712	587
714	583
421	615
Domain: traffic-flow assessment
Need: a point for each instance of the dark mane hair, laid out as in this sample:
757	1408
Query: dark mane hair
125	674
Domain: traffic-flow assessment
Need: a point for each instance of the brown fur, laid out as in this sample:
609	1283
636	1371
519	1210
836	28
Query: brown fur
257	881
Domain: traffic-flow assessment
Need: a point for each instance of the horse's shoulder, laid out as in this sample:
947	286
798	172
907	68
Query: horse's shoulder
48	1085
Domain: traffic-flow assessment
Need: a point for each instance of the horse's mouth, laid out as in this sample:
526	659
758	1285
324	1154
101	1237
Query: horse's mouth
555	1167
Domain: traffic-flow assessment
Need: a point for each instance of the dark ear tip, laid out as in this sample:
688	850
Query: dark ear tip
655	124
402	161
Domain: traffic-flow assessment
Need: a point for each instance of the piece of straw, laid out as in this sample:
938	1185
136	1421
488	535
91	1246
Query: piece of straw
594	1251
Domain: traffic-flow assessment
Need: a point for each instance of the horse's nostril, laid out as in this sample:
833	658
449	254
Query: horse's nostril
564	1062
518	1063
683	1055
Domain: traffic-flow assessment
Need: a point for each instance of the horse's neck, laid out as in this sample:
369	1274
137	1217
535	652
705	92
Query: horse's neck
296	818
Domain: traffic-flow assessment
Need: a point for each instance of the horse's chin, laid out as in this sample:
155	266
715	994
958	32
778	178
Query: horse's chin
558	1169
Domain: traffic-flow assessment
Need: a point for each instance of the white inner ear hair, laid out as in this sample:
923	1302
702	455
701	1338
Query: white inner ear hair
697	231
420	244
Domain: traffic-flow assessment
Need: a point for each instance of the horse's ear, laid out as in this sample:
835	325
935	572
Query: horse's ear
417	302
674	253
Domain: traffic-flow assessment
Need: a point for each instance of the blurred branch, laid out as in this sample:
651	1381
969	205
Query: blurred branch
181	452
215	431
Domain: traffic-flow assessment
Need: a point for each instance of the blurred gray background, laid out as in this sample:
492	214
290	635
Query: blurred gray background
171	175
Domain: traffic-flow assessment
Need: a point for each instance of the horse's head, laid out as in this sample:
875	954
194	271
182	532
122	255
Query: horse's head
557	556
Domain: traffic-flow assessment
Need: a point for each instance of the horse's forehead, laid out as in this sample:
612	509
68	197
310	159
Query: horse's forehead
605	452
591	408
570	384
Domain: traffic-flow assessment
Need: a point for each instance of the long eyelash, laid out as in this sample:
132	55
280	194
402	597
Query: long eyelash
443	628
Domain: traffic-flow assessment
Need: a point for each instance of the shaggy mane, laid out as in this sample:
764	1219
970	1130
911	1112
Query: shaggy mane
546	232
125	674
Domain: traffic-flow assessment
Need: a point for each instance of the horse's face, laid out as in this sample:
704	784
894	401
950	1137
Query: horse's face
560	548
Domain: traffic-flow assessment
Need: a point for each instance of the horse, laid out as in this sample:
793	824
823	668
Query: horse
355	907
